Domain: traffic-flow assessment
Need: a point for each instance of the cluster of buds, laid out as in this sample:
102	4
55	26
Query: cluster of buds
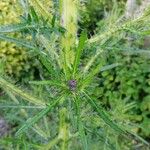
72	85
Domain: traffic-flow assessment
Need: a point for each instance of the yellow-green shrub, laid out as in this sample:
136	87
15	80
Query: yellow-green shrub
16	58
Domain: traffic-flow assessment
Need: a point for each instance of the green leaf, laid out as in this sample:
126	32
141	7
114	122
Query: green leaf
32	121
41	9
108	67
79	50
48	64
34	15
104	115
51	143
80	125
17	41
48	82
53	56
15	27
90	76
13	141
8	86
104	139
95	71
20	107
92	60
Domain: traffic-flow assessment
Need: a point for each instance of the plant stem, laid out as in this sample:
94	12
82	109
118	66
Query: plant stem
68	11
63	129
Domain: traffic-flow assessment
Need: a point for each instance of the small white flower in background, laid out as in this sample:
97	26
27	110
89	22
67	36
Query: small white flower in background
4	127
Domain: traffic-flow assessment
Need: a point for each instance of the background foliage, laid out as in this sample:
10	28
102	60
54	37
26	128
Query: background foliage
16	59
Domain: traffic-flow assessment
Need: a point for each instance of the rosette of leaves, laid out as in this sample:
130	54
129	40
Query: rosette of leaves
72	117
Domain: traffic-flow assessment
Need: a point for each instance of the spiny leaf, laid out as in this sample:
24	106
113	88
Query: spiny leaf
40	8
79	50
32	121
96	70
14	141
90	76
20	107
17	41
34	15
48	82
46	44
103	139
15	27
48	64
8	86
91	61
80	125
120	28
104	115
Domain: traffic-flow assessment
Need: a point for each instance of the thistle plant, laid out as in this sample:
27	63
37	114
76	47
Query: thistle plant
67	89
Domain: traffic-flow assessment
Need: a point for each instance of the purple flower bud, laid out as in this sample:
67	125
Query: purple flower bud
72	85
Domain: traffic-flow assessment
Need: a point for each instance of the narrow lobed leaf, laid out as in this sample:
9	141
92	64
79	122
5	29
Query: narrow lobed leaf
32	121
17	41
79	50
15	27
48	82
95	71
8	86
104	115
